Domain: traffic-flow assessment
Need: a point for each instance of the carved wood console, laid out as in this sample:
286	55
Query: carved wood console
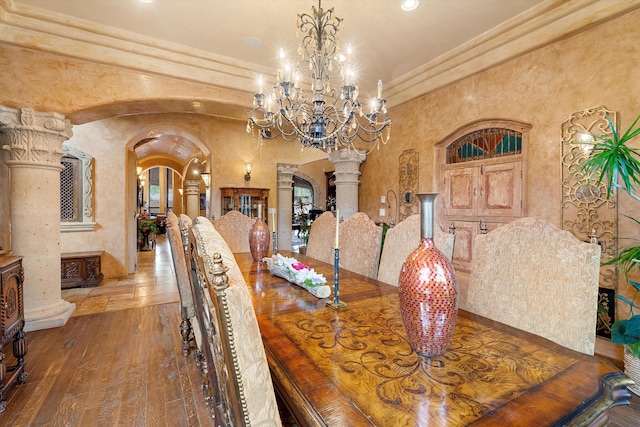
11	323
81	269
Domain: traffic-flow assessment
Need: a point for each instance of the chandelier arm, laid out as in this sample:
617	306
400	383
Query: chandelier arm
328	117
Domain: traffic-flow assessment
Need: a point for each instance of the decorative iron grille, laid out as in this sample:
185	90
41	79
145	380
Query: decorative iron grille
69	183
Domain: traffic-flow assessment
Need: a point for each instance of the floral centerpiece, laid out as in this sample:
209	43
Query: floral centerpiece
298	273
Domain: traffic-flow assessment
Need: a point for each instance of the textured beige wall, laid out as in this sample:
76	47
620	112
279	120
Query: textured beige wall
542	88
597	67
85	91
106	140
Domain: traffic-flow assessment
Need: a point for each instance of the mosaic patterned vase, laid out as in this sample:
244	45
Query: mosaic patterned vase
428	290
259	239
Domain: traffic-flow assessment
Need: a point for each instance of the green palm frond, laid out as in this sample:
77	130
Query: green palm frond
611	159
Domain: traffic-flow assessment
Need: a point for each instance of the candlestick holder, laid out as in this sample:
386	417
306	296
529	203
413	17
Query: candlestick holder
336	303
275	245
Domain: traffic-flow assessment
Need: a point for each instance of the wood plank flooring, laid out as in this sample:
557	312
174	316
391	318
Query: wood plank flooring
119	362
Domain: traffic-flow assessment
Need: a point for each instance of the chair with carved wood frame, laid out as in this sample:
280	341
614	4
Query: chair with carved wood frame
322	238
531	275
234	227
237	377
176	244
360	243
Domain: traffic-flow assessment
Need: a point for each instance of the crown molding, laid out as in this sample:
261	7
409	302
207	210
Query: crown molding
540	26
58	34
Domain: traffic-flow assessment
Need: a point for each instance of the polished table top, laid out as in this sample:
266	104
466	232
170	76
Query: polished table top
354	367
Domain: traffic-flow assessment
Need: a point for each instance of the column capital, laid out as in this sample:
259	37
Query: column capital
191	186
33	138
347	163
285	175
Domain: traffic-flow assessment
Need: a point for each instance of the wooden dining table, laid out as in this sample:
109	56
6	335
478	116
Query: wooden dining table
353	366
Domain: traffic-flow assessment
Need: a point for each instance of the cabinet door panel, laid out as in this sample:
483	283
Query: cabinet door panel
463	245
460	191
501	190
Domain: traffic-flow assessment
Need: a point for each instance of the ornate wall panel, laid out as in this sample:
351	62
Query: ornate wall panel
585	210
408	184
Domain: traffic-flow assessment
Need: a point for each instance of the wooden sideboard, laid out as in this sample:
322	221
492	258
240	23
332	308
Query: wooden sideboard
81	269
11	323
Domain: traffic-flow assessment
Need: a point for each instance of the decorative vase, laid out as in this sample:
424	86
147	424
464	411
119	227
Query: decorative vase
428	290
259	239
632	369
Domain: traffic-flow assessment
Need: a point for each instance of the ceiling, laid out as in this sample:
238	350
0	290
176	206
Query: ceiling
388	42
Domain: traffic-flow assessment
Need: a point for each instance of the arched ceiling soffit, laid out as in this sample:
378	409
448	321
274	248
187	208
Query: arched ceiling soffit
167	143
167	163
206	107
195	168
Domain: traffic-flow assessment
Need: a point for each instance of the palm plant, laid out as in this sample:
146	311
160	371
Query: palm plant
610	162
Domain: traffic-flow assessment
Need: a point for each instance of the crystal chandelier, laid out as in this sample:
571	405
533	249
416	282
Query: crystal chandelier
328	116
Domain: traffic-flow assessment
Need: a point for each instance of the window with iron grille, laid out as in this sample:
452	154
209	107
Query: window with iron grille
485	144
69	189
76	190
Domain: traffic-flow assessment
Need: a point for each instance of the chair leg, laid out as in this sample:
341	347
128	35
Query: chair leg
185	331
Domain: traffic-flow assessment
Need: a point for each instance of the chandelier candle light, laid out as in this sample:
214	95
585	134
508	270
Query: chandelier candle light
328	116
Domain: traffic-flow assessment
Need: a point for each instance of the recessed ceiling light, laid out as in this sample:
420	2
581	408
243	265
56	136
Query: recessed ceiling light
145	1
409	5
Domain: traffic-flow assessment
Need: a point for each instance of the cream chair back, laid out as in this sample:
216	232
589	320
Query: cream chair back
237	372
234	228
536	277
360	243
322	238
403	239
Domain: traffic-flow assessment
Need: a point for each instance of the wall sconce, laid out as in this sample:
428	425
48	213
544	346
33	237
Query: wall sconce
180	190
139	170
206	177
247	167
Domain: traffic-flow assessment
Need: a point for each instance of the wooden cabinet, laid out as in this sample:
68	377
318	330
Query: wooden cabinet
248	201
81	269
478	195
486	190
12	324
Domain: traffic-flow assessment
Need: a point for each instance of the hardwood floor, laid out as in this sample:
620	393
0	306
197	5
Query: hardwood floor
118	361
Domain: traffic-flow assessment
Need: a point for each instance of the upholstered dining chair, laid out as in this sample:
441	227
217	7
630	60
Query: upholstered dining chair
184	222
234	227
187	309
360	243
239	379
322	238
403	239
536	277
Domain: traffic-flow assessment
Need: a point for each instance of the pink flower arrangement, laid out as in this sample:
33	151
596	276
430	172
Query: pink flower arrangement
300	266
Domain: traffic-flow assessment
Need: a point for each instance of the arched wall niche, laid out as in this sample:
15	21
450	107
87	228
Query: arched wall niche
479	195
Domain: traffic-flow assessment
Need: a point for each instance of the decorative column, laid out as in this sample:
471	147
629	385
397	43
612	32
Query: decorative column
192	192
347	163
34	143
285	206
